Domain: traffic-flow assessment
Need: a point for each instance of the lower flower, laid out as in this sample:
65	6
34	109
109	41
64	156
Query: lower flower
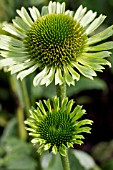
57	128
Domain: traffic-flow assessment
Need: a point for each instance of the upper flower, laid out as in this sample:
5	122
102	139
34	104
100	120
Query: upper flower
56	41
57	128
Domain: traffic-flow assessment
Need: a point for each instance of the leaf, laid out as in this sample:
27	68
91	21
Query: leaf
74	162
86	84
10	130
85	159
18	153
55	163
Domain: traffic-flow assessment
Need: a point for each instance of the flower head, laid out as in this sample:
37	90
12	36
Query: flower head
58	128
57	42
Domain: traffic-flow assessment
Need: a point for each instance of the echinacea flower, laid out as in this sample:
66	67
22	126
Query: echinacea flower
58	43
57	128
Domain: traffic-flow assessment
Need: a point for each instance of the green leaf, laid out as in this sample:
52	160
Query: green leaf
10	130
74	162
85	159
86	84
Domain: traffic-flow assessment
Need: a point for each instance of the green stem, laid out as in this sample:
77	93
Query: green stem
20	117
65	162
25	96
19	108
61	93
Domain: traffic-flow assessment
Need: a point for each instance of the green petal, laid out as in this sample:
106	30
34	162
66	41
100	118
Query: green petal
63	150
39	76
62	8
74	74
70	13
7	62
64	103
20	24
78	136
34	13
11	40
101	47
84	122
77	113
41	149
47	146
80	13
95	24
12	30
7	46
85	70
69	145
25	16
83	129
101	36
35	141
56	104
24	73
69	106
40	105
58	77
78	142
88	17
48	78
52	7
54	149
92	61
44	10
68	78
47	103
20	67
99	55
22	56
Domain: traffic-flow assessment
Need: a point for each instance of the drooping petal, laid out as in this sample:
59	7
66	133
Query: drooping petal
49	78
24	73
58	77
20	67
85	70
39	76
68	78
74	74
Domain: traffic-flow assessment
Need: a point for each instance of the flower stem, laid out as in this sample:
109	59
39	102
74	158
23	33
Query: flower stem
65	162
20	117
25	96
61	93
19	108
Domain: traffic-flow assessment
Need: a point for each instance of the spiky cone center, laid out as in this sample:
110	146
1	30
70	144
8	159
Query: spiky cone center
58	128
55	40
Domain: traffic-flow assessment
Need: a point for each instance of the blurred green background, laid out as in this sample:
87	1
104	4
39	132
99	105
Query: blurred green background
96	96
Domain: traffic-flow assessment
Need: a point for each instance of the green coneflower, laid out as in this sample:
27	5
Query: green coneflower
57	42
57	128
